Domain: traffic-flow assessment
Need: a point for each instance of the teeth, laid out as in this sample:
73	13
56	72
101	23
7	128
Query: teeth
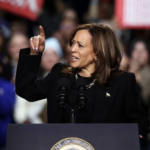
74	58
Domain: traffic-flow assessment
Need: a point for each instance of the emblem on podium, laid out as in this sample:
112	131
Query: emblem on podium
72	143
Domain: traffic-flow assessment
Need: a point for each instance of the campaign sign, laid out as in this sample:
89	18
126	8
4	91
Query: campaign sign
133	13
25	8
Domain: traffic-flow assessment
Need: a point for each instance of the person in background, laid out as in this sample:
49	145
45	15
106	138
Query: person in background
139	51
3	52
69	21
24	112
7	91
17	40
139	65
28	113
52	54
7	100
18	26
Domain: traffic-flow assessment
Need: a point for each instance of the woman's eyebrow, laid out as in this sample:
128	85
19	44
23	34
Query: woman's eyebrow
78	42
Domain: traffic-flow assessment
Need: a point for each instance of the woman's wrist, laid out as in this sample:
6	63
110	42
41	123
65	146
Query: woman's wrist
34	53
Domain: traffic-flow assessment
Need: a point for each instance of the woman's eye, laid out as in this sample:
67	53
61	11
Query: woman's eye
72	43
80	45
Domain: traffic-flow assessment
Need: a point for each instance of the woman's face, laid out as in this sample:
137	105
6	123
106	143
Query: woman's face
18	42
140	53
82	54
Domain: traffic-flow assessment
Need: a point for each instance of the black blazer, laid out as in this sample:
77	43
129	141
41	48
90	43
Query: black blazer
121	107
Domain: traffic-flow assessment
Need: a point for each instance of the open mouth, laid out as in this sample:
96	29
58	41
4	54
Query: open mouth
73	58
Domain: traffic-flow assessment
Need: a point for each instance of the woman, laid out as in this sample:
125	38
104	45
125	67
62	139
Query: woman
95	60
139	65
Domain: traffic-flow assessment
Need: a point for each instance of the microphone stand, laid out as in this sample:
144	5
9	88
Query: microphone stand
82	99
72	116
62	97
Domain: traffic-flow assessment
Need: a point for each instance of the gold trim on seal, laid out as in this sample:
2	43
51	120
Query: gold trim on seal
72	138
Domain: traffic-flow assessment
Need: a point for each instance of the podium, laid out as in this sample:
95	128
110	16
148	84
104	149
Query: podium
73	137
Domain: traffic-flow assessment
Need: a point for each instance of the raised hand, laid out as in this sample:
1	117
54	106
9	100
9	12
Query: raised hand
37	43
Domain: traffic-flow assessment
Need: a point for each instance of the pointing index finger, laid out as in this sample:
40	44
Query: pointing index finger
42	34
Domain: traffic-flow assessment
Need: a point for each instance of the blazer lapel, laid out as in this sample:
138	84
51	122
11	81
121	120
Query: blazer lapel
105	97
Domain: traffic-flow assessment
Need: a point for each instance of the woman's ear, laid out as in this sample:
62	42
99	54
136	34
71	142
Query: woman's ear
95	56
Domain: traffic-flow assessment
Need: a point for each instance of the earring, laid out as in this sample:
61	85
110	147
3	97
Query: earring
95	59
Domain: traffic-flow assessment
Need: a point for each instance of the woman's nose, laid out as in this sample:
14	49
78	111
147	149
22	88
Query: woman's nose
73	48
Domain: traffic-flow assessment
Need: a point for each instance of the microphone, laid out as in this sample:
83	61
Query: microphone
63	88
82	98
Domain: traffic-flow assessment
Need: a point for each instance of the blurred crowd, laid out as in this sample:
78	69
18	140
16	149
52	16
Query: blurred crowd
58	18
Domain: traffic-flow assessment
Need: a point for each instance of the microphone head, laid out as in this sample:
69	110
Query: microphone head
63	82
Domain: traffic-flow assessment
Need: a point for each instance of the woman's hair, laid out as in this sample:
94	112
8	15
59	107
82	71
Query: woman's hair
106	48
